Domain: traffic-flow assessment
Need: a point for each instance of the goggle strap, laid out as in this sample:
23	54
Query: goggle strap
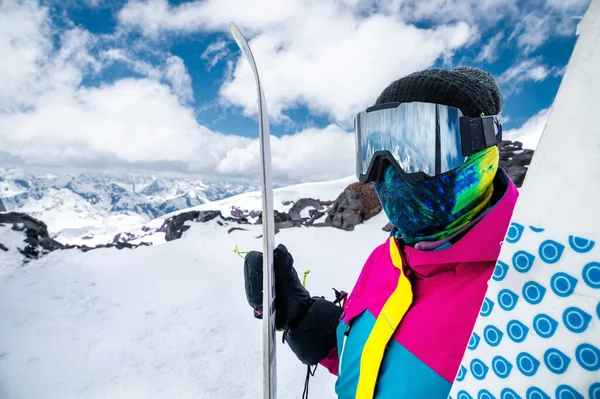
479	133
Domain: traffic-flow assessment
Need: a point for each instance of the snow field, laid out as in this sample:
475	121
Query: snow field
159	322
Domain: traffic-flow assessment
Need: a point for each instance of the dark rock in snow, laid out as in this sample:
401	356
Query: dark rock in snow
298	207
231	230
36	232
346	211
280	217
2	247
39	242
123	237
356	204
118	245
2	207
243	213
207	216
314	216
515	160
175	226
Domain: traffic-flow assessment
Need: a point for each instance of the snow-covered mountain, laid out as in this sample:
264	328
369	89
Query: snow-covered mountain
76	201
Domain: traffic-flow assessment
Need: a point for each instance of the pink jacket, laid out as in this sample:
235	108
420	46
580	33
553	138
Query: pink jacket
448	286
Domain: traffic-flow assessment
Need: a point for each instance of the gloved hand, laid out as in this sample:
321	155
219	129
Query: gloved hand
309	324
292	300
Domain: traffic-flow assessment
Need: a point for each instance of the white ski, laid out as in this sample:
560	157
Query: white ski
268	221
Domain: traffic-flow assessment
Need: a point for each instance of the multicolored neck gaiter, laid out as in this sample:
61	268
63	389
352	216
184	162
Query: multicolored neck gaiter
439	207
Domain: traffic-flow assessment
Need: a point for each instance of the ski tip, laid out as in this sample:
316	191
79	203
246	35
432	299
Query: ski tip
233	28
239	38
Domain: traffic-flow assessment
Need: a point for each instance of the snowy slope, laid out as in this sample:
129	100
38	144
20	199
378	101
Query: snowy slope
63	210
169	321
325	191
9	260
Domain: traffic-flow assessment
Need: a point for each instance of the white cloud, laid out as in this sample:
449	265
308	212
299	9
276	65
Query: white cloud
215	52
474	11
530	133
491	50
345	72
155	17
320	154
570	5
139	66
24	45
173	71
527	70
550	18
181	82
532	31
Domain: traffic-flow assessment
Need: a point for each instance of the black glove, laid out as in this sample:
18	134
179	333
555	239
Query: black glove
292	300
309	323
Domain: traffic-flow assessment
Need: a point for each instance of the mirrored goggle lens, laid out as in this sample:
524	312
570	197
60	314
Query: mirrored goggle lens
421	137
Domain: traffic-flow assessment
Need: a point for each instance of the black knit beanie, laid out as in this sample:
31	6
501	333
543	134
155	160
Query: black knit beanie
471	90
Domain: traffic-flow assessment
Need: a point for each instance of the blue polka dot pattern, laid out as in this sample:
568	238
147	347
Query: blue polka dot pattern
522	261
533	292
463	395
508	393
479	369
556	361
492	335
536	393
500	271
537	335
485	394
563	284
576	320
487	307
567	392
474	341
507	299
527	364
591	274
588	357
517	331
501	367
594	391
514	233
580	245
544	325
550	251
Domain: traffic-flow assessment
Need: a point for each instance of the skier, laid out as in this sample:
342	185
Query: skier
430	148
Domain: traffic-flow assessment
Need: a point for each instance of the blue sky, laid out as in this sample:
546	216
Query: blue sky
96	64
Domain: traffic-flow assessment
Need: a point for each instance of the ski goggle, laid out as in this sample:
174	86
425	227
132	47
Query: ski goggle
421	140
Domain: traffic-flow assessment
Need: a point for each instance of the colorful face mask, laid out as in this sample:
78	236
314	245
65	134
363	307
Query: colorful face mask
437	208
